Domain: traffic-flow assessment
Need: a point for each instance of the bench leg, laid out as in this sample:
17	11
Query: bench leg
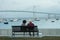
30	33
13	34
37	33
24	34
33	34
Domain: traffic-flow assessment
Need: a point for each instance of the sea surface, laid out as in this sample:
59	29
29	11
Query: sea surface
42	24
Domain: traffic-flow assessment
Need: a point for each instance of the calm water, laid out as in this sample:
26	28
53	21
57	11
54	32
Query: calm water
42	24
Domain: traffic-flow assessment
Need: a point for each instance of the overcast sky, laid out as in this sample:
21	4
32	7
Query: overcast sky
52	6
40	5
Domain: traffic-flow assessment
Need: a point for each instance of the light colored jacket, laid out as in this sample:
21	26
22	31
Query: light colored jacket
23	24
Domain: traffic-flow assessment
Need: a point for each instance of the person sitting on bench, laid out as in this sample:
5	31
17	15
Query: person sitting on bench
24	23
31	27
23	28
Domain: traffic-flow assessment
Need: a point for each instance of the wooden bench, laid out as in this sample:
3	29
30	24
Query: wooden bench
24	29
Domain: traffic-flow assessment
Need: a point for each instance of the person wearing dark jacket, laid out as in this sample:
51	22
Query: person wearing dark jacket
31	27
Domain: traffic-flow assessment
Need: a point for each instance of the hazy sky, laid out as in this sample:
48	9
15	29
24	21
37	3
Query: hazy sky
40	5
52	6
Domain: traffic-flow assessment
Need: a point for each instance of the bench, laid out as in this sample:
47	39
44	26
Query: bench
24	29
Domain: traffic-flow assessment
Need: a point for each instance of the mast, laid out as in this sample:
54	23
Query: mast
34	12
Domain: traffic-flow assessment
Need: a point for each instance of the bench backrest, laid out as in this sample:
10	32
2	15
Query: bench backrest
19	28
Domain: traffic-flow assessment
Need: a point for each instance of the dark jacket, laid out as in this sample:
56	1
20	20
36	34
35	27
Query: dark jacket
30	24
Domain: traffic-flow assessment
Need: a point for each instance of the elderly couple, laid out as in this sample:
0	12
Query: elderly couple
30	25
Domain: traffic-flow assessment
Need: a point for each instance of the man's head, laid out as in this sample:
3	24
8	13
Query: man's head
24	21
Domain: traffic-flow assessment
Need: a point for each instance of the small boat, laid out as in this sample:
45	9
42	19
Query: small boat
5	22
